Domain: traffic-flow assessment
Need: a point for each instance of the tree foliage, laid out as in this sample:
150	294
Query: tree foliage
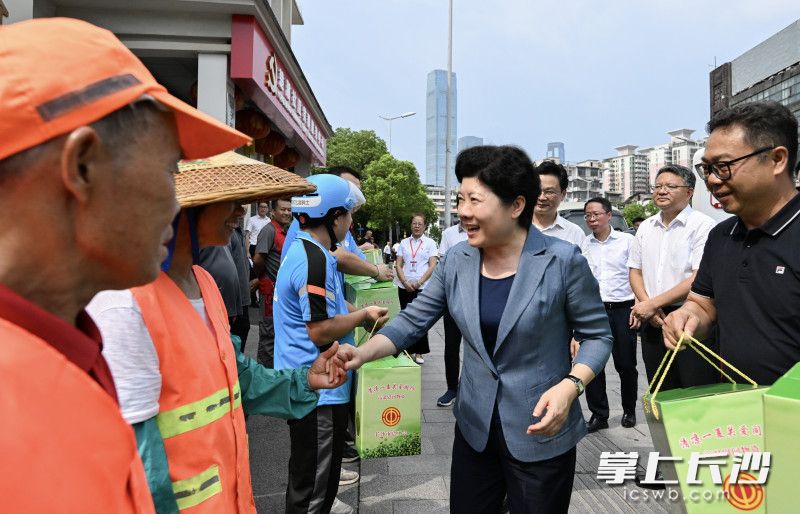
355	149
394	193
637	210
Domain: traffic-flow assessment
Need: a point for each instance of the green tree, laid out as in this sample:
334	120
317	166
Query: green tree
637	210
355	149
435	232
393	192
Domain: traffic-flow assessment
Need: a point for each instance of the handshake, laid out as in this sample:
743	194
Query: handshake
329	370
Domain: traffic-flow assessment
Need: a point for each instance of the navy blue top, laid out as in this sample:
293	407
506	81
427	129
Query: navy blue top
492	302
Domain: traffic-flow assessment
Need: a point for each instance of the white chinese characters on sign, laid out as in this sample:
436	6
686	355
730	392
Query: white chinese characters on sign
617	467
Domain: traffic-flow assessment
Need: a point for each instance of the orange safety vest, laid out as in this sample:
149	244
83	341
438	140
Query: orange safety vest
200	409
64	446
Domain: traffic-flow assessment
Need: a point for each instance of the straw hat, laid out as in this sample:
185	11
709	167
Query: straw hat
230	176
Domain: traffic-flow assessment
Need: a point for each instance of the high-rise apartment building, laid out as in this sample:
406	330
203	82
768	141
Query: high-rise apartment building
626	173
679	150
436	128
468	142
555	151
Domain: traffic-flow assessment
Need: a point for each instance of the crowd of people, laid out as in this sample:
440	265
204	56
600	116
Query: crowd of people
125	385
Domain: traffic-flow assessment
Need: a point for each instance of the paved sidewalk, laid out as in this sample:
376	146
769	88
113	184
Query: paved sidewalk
421	483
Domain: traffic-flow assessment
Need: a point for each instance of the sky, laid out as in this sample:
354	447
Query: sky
594	74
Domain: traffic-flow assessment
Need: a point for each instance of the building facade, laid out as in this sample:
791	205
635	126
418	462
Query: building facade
679	150
468	142
555	151
585	181
233	60
436	128
626	173
770	71
436	194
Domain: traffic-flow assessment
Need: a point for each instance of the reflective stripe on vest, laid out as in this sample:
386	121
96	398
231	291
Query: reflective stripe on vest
197	489
198	414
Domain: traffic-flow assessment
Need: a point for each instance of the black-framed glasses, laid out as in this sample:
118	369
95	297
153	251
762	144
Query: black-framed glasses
722	169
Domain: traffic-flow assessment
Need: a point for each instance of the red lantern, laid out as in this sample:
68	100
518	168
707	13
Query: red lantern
287	158
273	144
252	123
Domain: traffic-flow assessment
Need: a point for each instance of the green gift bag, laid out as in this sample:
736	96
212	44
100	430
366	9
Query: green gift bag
781	417
374	256
364	292
703	420
388	408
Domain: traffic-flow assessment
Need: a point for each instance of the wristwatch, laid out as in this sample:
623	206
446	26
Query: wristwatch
578	383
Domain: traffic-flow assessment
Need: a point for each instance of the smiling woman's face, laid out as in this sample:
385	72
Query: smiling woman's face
487	220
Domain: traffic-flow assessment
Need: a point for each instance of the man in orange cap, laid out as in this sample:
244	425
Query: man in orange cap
89	143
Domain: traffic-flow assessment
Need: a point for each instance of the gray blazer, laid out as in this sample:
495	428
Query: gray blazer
554	293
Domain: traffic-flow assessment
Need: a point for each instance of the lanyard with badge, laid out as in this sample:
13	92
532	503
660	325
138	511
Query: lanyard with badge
414	253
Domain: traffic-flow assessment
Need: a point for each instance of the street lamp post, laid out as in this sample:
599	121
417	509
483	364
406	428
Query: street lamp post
447	149
392	118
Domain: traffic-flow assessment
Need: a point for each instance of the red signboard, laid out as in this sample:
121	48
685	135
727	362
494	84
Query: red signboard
257	69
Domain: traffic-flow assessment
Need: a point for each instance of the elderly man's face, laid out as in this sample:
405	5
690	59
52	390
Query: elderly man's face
129	221
263	209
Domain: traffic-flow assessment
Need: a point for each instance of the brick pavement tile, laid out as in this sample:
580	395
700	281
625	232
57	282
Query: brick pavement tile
403	487
418	506
420	464
437	416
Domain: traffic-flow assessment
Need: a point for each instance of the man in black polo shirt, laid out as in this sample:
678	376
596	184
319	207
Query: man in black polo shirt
749	277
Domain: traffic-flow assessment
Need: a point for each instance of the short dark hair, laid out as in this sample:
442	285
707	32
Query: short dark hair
555	169
765	124
507	171
682	171
598	199
419	214
339	170
117	130
637	218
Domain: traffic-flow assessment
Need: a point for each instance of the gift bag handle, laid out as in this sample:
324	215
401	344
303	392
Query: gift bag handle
669	358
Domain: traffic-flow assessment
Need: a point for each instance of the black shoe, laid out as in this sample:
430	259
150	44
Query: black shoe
594	424
628	420
659	477
350	454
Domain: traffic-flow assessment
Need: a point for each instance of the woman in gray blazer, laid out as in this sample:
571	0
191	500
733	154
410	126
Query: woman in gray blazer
517	296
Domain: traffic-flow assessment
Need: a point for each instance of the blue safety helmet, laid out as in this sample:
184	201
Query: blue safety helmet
334	196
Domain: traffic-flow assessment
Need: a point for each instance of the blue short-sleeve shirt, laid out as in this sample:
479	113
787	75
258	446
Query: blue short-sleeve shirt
349	243
307	289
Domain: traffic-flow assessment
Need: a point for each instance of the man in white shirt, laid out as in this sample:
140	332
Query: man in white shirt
254	226
416	259
452	335
554	182
663	263
607	251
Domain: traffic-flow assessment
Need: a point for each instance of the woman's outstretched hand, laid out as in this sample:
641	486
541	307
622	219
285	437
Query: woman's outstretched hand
326	372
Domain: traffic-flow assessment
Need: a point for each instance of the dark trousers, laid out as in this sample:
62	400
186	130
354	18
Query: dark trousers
624	354
480	480
688	369
421	346
452	347
266	342
240	325
316	459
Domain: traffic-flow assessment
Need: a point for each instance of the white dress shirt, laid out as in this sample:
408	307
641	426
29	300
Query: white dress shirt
451	237
416	254
667	255
254	226
565	230
608	261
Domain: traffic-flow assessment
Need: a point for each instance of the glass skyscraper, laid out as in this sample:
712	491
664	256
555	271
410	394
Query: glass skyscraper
436	127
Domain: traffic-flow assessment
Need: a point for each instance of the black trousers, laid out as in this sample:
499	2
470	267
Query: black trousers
421	346
240	325
624	355
266	342
316	459
452	347
688	369
480	480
